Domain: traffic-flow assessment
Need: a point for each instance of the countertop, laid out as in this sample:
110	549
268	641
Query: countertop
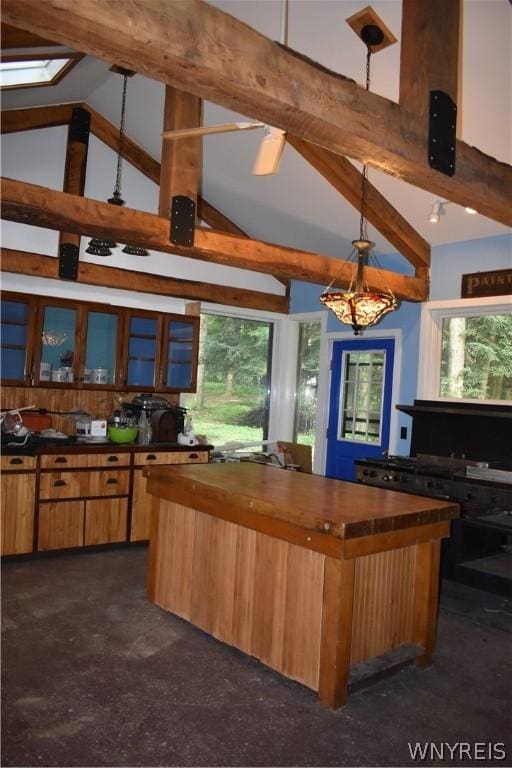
264	498
71	446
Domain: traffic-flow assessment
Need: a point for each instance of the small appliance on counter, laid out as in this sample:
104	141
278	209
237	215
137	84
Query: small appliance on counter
166	420
91	430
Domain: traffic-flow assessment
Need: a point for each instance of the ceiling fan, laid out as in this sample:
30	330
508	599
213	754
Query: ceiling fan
272	145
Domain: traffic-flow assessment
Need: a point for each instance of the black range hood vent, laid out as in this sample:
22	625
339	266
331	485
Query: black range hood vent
478	431
457	409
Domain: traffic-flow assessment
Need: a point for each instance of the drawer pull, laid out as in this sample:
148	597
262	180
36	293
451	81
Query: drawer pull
192	456
16	461
151	457
111	481
61	460
58	483
113	458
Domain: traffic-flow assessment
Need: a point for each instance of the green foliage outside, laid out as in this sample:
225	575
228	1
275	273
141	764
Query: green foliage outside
477	361
230	404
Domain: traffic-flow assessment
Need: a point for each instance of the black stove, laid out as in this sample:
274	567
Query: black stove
461	454
442	478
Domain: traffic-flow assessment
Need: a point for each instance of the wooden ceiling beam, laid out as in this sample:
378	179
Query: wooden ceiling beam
181	162
33	118
347	180
77	148
12	37
429	53
191	46
34	264
39	206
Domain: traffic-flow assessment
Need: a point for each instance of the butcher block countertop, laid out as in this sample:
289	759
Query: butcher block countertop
318	513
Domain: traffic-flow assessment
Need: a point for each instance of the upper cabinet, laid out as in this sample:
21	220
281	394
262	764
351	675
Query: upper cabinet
59	343
16	330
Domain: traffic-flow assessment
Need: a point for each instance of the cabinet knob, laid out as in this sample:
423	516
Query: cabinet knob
111	481
192	455
59	483
16	461
151	457
61	460
113	458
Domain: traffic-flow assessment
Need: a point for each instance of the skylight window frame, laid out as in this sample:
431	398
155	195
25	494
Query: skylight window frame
41	55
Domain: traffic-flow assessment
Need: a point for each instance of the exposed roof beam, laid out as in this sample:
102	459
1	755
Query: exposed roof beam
11	37
24	263
190	45
181	163
340	172
39	206
33	118
429	52
76	164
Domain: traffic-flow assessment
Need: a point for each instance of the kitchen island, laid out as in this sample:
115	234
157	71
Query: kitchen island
308	574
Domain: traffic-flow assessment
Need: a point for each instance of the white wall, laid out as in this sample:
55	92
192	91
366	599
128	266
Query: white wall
38	157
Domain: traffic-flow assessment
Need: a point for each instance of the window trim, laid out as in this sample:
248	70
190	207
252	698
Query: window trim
278	397
432	315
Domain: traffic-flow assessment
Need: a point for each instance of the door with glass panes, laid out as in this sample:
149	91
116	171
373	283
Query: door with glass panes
359	403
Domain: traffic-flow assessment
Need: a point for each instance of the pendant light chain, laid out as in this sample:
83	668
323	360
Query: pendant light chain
363	227
117	187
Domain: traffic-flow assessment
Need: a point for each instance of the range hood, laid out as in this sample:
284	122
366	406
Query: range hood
450	408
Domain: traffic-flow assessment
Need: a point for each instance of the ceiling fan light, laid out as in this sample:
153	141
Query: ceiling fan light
269	152
98	247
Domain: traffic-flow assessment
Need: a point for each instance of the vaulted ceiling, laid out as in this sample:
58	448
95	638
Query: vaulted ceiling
297	207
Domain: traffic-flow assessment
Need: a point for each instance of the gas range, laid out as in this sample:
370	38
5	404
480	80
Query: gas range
479	488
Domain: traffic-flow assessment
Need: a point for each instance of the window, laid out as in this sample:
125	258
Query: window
232	400
306	389
362	396
466	350
28	72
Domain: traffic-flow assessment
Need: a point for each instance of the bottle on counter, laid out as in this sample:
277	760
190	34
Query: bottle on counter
145	431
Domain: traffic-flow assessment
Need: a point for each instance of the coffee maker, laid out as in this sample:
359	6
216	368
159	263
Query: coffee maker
166	419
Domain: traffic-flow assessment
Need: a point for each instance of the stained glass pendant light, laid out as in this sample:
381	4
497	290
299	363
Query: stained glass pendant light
358	306
101	247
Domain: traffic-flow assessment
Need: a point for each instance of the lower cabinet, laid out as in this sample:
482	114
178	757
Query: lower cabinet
82	499
17	509
105	521
141	508
141	501
61	525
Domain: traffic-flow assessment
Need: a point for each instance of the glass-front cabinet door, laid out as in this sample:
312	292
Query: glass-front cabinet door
56	362
14	340
143	350
99	364
181	340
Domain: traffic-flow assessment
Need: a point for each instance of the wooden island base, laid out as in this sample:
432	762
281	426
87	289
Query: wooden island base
255	557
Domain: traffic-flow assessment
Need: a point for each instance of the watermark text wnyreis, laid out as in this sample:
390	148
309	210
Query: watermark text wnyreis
459	750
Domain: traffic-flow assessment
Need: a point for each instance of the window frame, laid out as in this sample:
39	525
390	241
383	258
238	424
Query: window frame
278	358
432	315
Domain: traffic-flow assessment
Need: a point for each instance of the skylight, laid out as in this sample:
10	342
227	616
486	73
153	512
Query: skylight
25	72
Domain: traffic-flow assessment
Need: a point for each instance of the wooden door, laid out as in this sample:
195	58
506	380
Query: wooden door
17	508
105	521
141	508
61	525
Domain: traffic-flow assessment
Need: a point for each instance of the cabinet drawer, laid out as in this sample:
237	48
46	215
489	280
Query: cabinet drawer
68	485
11	463
168	457
74	460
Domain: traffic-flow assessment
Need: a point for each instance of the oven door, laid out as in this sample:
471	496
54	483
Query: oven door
360	403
